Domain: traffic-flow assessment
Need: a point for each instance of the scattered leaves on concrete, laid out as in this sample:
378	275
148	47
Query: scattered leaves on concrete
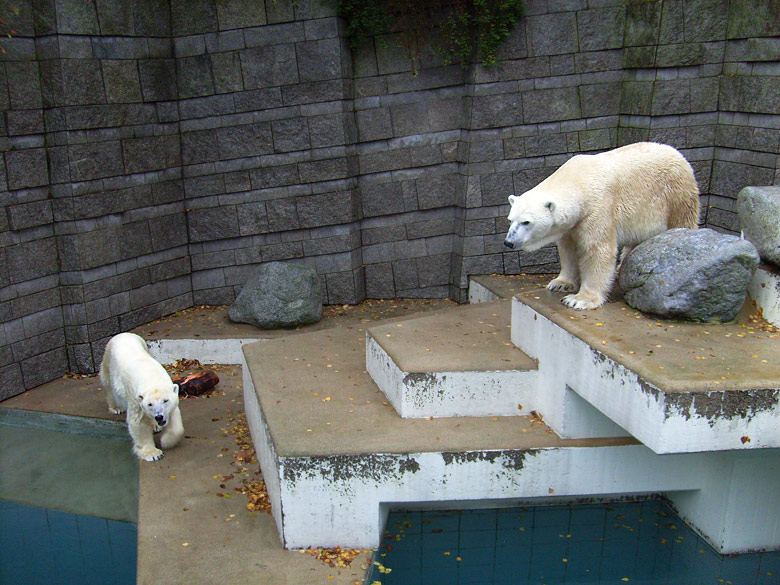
250	482
75	376
336	557
757	321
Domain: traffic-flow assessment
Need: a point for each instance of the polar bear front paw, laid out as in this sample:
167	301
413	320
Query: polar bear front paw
580	302
115	410
561	285
149	453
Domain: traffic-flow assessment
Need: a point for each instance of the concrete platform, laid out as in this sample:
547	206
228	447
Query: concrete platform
177	496
336	456
325	431
333	449
677	387
463	365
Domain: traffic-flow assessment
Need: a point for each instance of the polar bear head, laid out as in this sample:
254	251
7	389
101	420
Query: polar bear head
535	221
158	402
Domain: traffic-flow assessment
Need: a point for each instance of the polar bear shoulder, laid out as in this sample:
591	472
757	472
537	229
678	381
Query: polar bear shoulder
128	363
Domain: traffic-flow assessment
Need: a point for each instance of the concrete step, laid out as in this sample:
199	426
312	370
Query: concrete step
336	456
493	287
334	452
459	362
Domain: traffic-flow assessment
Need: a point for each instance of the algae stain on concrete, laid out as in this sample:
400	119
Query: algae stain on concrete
346	468
510	459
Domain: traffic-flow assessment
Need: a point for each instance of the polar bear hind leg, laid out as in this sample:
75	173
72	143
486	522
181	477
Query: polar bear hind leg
113	402
116	402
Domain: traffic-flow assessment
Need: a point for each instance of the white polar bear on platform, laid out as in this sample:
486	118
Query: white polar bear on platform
135	382
594	204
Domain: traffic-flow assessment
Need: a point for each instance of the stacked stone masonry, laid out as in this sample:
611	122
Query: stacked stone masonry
156	151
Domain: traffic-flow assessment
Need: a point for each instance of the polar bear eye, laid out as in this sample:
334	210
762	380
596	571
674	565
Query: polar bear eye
165	401
526	222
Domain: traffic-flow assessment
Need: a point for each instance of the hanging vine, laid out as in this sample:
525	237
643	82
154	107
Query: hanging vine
461	31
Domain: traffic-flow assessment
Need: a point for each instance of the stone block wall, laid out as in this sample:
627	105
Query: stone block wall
156	151
705	77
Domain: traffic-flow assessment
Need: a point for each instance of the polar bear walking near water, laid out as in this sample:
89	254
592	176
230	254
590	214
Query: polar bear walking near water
135	382
595	204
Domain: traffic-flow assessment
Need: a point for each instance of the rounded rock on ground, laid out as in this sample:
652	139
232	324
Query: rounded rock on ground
689	274
279	295
759	218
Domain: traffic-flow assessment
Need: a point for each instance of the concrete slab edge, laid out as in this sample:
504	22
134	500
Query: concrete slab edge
764	289
264	448
358	488
450	394
479	293
665	422
207	351
65	423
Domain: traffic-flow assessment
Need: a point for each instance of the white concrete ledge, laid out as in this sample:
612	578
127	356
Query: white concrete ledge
479	293
447	394
667	422
764	289
206	351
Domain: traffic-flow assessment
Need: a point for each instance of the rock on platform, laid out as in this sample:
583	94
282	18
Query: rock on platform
280	294
696	275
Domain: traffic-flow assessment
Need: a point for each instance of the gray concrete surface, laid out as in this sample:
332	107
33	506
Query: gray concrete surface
319	400
675	356
474	338
187	533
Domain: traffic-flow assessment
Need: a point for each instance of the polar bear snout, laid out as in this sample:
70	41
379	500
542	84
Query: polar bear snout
509	244
160	420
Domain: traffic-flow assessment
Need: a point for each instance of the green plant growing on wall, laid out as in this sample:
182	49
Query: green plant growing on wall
460	31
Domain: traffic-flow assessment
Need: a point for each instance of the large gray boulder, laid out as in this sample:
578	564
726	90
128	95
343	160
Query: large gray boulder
279	295
759	217
694	275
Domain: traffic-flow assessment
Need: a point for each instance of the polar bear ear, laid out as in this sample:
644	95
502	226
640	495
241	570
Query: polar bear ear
512	199
175	388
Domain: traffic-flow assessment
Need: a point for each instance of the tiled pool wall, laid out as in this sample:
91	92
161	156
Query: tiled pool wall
634	543
39	546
